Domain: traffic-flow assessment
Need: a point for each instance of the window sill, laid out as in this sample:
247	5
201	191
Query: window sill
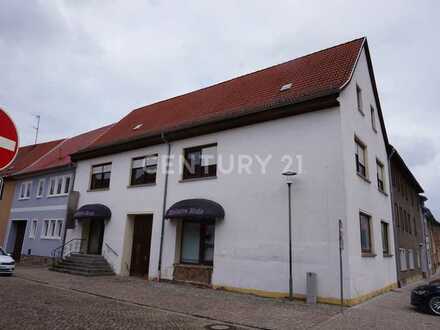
361	112
58	195
386	255
97	190
193	266
363	177
141	185
368	255
51	238
24	199
199	179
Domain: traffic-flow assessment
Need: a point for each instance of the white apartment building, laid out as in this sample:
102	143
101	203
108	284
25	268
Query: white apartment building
318	115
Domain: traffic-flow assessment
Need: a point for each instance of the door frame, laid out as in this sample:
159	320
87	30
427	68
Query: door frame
100	238
149	217
13	222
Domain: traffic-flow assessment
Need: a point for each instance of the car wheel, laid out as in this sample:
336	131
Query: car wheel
434	305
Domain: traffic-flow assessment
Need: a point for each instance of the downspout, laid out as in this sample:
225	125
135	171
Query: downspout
67	213
164	205
394	215
425	237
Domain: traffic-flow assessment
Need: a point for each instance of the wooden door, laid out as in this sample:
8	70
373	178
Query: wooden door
96	236
140	253
20	229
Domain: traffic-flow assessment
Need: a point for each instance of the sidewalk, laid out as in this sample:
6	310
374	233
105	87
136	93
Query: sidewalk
389	311
239	309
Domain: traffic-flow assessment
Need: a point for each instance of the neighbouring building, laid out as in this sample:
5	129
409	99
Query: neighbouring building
26	156
221	220
408	220
40	202
433	238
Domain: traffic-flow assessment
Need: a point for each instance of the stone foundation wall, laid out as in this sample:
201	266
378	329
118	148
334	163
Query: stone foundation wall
196	274
27	260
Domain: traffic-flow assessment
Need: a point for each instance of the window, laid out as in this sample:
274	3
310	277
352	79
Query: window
418	261
51	186
59	186
411	258
52	229
365	226
59	230
403	261
101	176
408	219
385	239
143	170
373	118
415	226
45	232
25	190
200	162
361	159
396	211
380	176
359	99
1	188
197	243
40	188
33	230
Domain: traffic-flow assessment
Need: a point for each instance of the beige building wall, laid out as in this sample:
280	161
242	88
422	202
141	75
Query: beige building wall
5	208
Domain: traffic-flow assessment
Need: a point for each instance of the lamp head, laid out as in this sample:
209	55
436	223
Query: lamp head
289	176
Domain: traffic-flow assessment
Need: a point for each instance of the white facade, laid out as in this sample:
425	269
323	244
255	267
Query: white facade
251	243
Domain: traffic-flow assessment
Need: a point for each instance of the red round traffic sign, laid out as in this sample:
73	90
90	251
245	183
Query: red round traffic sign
8	140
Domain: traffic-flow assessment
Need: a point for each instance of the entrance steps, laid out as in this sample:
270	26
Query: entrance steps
83	264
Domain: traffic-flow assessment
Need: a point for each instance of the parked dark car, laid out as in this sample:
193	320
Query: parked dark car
427	297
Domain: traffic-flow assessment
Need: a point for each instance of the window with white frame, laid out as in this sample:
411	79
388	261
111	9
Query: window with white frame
402	258
40	188
380	175
25	190
143	170
359	99
52	229
361	158
411	258
33	230
59	185
373	118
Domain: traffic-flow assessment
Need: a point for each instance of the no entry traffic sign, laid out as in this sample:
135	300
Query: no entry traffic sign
8	140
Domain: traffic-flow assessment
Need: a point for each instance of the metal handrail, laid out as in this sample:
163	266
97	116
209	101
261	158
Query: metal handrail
72	246
111	249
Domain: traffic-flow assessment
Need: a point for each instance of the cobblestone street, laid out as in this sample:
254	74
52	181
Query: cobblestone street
36	298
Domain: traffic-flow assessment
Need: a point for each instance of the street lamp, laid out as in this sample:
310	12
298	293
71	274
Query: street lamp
289	180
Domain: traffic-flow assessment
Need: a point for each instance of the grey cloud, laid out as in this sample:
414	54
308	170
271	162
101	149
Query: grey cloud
83	64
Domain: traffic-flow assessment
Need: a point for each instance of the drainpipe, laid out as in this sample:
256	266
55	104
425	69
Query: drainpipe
394	215
422	200
164	204
67	213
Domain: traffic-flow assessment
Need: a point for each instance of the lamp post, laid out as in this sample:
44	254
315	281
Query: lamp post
289	180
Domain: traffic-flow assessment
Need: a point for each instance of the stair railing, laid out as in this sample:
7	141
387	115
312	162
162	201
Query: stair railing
65	250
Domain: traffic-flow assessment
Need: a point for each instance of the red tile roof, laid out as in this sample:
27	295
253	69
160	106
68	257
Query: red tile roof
60	155
311	76
27	155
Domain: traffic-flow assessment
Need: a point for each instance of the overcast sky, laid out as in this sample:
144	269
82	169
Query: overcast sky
84	64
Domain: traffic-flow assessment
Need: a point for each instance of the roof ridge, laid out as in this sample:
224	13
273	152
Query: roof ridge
247	74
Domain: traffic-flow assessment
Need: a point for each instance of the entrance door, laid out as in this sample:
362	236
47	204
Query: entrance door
20	229
140	253
96	236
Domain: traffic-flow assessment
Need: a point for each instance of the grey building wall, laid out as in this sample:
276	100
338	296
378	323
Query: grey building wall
40	209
